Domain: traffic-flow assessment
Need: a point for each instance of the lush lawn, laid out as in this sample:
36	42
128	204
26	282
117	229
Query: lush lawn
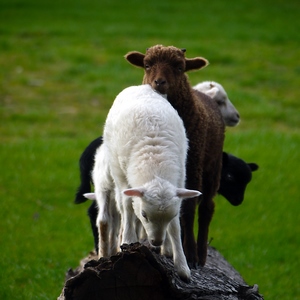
61	66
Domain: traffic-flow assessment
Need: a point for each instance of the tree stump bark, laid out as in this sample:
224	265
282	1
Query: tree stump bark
139	273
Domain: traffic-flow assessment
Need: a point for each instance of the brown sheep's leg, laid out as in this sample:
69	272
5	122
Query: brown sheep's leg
188	209
205	214
211	182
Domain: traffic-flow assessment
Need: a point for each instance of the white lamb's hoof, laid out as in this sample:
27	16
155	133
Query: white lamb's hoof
184	274
167	251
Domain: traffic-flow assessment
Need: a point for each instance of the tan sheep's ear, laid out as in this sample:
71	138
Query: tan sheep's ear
135	58
212	92
195	63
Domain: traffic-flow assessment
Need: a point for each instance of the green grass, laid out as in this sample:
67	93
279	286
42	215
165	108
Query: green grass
61	67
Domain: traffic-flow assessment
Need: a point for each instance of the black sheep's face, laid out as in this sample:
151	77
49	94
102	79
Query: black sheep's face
236	174
233	188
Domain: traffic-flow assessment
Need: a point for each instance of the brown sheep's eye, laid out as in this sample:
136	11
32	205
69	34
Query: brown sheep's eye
180	68
147	67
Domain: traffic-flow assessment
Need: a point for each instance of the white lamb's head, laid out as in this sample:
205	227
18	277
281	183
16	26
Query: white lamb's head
156	204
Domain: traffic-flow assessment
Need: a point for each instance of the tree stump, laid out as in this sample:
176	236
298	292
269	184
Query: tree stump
139	273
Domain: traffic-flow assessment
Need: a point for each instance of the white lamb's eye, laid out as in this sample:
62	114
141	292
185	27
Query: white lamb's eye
144	215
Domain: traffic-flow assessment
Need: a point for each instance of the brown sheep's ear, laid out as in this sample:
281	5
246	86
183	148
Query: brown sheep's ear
195	63
135	58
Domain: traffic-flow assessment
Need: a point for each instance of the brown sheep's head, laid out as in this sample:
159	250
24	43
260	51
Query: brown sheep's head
165	67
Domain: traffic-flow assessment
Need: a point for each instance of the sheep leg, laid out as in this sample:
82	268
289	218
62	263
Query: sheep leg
140	231
188	208
206	207
205	213
103	224
93	213
167	247
115	226
180	262
128	221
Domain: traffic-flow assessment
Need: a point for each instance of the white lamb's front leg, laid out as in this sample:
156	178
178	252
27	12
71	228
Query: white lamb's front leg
128	222
180	262
167	249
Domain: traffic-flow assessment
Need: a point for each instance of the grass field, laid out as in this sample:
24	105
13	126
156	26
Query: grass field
61	65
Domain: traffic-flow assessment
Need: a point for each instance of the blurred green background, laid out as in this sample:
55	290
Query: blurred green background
61	65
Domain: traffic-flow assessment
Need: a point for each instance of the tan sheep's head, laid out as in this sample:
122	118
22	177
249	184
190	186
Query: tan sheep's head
165	67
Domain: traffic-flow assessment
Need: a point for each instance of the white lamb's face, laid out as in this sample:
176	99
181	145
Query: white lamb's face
154	220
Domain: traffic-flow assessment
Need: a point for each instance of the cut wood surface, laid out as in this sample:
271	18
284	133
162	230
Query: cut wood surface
139	273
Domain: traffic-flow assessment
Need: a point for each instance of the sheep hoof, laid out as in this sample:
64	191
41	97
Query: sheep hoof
193	265
184	274
185	277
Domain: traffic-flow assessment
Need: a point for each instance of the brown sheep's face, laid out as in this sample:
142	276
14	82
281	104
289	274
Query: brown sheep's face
165	71
165	67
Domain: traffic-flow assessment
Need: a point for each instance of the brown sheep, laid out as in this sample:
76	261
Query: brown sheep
165	69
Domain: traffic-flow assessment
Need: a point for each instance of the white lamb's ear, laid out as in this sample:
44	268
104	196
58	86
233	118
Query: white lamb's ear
212	92
90	196
185	193
134	192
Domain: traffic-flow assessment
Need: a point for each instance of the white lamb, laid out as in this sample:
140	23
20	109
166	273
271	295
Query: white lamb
216	91
146	152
